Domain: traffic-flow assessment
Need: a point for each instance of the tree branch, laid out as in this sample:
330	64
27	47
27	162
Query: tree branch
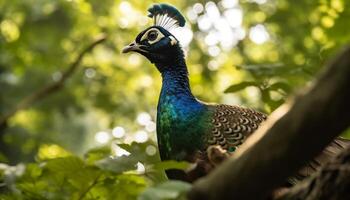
293	135
44	92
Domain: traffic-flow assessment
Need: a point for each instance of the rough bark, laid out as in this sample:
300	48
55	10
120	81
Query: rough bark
332	182
293	135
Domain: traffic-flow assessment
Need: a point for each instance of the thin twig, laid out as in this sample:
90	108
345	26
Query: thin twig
90	187
45	91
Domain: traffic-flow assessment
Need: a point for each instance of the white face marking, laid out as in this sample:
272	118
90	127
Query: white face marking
157	35
173	41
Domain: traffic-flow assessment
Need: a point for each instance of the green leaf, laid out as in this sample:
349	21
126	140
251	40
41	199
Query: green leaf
265	69
280	85
240	86
166	190
97	154
126	162
33	191
118	164
32	171
266	97
70	169
65	165
171	164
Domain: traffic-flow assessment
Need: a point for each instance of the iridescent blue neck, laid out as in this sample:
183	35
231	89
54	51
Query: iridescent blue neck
180	116
176	83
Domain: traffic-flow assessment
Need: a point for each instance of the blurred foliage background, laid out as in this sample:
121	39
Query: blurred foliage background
250	52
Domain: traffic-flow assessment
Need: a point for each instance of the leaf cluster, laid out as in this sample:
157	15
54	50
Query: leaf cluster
97	175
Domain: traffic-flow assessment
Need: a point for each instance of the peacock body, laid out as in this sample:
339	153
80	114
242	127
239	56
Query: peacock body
186	127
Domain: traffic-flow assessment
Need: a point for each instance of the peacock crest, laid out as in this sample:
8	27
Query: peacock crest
166	16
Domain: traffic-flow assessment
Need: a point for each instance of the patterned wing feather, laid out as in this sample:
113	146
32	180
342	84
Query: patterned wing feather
232	125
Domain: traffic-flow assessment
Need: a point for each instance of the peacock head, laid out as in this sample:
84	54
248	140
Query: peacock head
156	43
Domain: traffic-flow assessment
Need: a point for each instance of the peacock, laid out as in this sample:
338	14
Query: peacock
187	128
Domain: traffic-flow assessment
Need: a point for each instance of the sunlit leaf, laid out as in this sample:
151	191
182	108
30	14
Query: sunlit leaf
50	151
167	190
118	164
67	165
240	86
96	154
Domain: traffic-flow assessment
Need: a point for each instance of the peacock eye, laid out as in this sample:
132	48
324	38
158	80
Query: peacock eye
152	35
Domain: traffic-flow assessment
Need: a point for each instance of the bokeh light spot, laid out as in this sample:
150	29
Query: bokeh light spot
151	150
150	127
118	132
143	118
102	137
141	136
258	34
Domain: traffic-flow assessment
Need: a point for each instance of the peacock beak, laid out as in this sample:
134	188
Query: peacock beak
132	47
